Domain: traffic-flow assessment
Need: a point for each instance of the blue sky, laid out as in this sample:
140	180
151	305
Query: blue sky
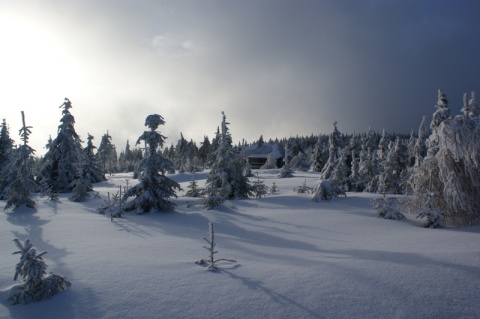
277	68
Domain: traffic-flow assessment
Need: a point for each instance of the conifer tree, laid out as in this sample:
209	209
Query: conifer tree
154	189
93	170
340	173
6	150
393	169
204	151
37	285
333	153
226	180
382	149
450	171
107	154
180	160
259	188
59	164
193	190
420	148
317	158
23	184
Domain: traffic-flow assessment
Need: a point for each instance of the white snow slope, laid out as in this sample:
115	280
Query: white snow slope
295	259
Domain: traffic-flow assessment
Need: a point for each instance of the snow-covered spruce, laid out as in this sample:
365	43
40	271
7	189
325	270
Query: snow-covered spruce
325	190
286	171
19	191
226	180
81	186
274	189
259	188
193	190
37	285
451	168
211	261
153	191
107	154
435	218
58	170
387	207
94	171
6	150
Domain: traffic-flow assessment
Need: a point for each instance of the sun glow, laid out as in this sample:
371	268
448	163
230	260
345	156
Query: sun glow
33	64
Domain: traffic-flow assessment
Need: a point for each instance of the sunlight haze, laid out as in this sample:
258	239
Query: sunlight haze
277	68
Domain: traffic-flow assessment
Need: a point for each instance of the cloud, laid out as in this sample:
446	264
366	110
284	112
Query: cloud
172	44
277	68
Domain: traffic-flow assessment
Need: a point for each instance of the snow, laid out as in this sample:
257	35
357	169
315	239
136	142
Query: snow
296	258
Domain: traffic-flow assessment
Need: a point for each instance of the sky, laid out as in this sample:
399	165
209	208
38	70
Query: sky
277	68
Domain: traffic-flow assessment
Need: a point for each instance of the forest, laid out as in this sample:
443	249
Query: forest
437	165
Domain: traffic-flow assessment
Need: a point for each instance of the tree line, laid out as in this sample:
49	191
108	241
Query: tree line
440	159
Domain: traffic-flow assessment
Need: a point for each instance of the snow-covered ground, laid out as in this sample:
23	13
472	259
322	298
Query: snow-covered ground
295	259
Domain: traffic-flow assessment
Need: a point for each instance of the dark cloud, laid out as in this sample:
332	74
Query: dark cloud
277	68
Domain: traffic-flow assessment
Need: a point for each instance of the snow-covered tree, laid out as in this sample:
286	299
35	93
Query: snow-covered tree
387	207
318	158
420	148
193	190
203	151
355	183
181	155
107	154
37	285
59	164
259	188
270	163
285	171
226	179
6	151
274	189
435	217
211	261
82	185
94	171
333	153
339	176
451	167
324	191
368	170
393	169
154	189
23	184
382	149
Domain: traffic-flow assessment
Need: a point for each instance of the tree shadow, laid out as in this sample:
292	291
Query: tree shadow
276	297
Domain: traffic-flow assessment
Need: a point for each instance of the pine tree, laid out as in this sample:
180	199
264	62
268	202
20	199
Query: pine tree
211	249
339	177
204	151
226	180
317	157
451	168
107	154
333	153
394	167
154	189
37	285
93	170
6	153
387	207
420	148
23	184
259	188
59	164
193	190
